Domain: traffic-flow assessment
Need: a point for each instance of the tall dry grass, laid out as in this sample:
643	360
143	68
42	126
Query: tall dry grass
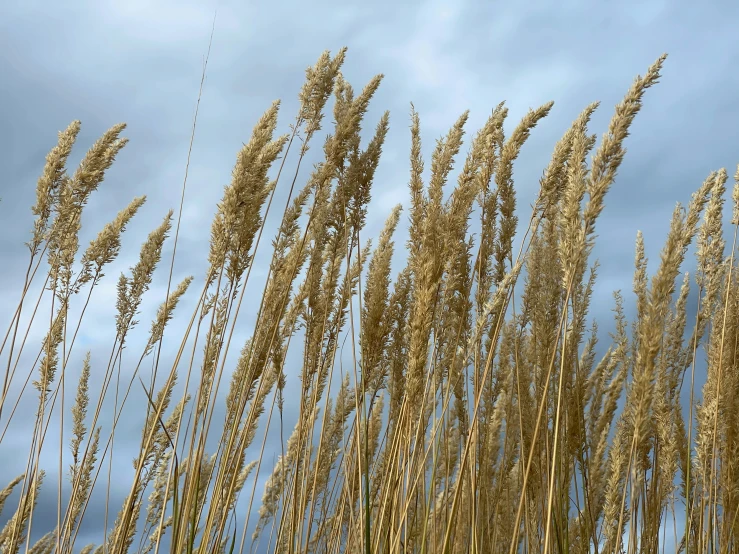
470	419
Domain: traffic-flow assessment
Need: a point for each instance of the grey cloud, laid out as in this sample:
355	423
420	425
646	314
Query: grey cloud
138	62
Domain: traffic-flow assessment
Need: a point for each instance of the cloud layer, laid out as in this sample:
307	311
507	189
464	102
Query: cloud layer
140	62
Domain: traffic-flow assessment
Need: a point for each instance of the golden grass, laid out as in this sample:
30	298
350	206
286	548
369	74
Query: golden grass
469	420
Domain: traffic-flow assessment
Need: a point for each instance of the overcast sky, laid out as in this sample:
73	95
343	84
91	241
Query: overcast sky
140	62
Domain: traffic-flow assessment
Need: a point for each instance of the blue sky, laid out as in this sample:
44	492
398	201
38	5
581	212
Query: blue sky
140	62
